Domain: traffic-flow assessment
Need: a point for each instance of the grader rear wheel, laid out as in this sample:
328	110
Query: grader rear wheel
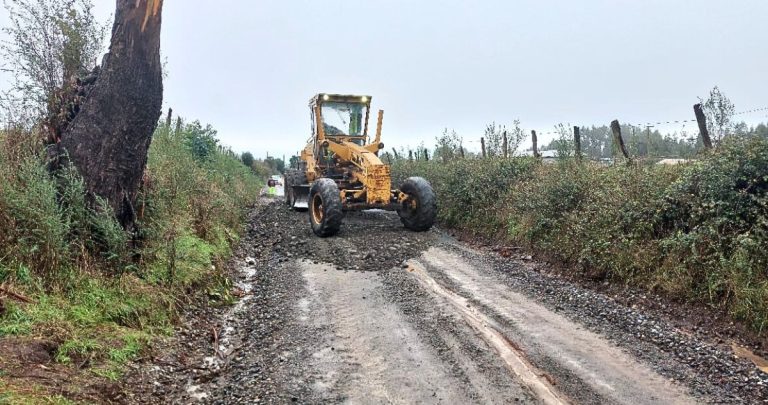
325	210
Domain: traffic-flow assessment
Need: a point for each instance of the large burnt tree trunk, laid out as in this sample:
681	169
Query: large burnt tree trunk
109	137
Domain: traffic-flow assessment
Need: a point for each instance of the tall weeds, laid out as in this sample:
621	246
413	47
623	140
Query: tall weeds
95	286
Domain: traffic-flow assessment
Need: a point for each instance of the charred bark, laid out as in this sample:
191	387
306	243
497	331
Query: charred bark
109	138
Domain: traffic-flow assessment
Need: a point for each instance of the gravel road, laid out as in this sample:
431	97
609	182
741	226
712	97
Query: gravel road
378	314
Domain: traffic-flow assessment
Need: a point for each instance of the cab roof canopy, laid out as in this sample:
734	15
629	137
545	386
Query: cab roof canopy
339	98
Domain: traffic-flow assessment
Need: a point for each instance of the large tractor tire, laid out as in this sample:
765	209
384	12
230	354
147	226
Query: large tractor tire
325	210
298	178
419	210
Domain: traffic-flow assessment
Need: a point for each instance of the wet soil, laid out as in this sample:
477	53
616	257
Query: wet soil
379	314
28	367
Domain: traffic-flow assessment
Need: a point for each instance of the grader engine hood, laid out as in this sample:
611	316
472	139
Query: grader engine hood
373	174
379	184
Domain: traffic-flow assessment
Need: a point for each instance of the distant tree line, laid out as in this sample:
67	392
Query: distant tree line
263	167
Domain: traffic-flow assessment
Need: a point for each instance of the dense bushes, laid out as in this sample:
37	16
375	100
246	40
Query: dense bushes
469	190
695	231
191	205
714	228
99	292
47	227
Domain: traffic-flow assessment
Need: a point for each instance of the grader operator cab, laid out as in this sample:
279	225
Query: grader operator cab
339	170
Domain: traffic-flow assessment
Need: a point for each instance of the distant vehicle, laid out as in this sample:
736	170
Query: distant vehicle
272	183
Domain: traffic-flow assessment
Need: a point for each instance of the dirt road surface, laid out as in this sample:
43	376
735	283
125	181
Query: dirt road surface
382	315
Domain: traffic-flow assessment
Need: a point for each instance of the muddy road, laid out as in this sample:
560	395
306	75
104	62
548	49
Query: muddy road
382	315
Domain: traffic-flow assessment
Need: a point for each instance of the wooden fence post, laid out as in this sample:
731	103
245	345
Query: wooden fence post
482	145
504	144
616	129
410	155
702	121
168	119
534	140
577	142
426	154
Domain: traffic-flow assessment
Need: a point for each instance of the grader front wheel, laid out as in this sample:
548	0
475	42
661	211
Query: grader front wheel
325	210
419	208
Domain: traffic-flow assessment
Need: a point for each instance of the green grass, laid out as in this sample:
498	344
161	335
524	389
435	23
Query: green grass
92	298
30	394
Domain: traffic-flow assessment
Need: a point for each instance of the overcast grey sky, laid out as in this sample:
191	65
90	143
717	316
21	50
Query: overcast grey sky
249	67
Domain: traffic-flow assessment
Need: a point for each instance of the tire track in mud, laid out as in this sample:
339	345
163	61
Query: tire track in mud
536	380
559	344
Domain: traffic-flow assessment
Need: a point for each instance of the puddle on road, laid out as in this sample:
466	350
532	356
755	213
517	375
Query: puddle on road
744	353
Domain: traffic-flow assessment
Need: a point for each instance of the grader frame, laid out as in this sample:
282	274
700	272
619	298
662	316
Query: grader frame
344	163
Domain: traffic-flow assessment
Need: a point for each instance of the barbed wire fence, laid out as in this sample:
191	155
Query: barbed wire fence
640	136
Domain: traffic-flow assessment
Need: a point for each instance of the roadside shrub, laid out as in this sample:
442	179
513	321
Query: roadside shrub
191	206
599	219
35	227
100	293
713	224
469	191
48	225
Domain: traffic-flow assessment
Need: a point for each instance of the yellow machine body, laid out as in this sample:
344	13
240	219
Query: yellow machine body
347	155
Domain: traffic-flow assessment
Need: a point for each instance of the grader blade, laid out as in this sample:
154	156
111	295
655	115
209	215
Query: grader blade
301	195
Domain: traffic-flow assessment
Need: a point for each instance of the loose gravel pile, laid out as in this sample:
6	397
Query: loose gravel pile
369	240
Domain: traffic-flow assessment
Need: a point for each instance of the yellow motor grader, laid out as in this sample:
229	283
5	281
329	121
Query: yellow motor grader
339	170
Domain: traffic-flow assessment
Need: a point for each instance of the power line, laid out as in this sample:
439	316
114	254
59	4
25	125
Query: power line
751	111
694	120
